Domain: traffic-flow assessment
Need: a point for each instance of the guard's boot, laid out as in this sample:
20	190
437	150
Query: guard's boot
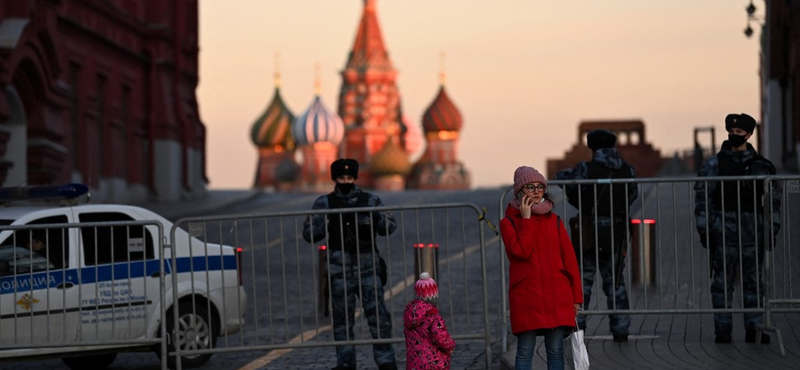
750	337
723	338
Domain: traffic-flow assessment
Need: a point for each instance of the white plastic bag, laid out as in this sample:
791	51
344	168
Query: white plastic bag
580	357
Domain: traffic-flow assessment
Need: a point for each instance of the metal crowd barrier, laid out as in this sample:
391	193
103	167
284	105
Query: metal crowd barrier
666	270
780	289
82	289
289	300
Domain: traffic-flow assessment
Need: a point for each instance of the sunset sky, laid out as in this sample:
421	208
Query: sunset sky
523	73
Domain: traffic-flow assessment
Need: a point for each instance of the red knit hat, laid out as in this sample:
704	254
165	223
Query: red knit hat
525	175
426	288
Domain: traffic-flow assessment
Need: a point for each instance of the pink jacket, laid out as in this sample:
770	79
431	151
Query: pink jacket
428	345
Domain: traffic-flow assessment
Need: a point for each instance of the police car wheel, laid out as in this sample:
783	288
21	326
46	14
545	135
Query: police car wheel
194	331
96	362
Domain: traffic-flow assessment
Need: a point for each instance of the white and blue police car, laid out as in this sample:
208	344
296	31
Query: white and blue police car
83	281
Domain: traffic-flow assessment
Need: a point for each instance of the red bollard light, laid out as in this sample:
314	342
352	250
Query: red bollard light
643	251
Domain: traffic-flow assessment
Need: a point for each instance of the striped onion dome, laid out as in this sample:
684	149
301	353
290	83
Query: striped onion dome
274	126
317	124
442	115
390	160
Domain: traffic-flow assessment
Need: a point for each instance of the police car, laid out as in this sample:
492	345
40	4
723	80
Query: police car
83	281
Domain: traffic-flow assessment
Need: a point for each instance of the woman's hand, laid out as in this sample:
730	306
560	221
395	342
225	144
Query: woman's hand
577	307
525	206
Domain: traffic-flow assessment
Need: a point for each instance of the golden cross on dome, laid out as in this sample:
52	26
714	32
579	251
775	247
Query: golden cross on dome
441	69
277	69
27	301
317	80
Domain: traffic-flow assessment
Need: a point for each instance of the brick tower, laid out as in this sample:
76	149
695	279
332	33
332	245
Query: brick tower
369	101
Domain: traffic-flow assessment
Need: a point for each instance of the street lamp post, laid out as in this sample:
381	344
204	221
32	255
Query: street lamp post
751	17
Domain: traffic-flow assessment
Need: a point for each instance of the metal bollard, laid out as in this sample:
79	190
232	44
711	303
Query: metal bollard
426	258
324	304
643	251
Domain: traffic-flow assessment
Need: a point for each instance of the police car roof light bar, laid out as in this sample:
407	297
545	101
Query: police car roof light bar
43	192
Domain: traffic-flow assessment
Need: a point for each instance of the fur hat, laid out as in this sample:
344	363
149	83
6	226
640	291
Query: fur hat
742	121
425	288
599	139
344	166
525	175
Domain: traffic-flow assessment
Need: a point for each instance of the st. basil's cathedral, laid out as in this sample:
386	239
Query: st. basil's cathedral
295	152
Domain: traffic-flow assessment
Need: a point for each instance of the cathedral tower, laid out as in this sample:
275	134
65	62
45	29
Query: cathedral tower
272	135
369	101
439	167
318	133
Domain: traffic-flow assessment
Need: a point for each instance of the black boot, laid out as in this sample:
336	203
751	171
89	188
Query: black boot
723	338
750	337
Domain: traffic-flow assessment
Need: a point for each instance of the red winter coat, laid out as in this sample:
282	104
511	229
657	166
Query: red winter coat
544	280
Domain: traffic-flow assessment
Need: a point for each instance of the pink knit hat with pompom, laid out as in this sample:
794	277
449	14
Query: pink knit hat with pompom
525	175
426	288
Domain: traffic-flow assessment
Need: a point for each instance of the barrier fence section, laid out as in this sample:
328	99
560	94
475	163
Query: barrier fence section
294	287
84	286
645	233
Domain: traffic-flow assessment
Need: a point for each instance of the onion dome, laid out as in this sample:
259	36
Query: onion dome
442	114
390	160
317	124
273	127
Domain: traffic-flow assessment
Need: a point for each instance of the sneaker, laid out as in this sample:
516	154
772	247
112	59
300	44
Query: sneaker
619	338
388	366
750	337
723	338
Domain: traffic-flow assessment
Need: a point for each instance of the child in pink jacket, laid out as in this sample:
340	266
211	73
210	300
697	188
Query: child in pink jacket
428	345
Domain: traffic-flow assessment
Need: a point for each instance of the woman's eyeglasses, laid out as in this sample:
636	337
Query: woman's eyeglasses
532	187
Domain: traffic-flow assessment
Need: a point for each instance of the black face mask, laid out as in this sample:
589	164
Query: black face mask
736	140
345	188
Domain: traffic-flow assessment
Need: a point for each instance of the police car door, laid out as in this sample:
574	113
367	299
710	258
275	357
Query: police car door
38	289
120	279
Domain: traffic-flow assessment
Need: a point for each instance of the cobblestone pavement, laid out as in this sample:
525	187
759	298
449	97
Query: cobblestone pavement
657	341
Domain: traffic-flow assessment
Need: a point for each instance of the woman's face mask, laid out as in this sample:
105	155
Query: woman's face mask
736	140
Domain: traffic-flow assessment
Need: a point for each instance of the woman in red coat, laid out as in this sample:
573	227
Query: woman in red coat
544	281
